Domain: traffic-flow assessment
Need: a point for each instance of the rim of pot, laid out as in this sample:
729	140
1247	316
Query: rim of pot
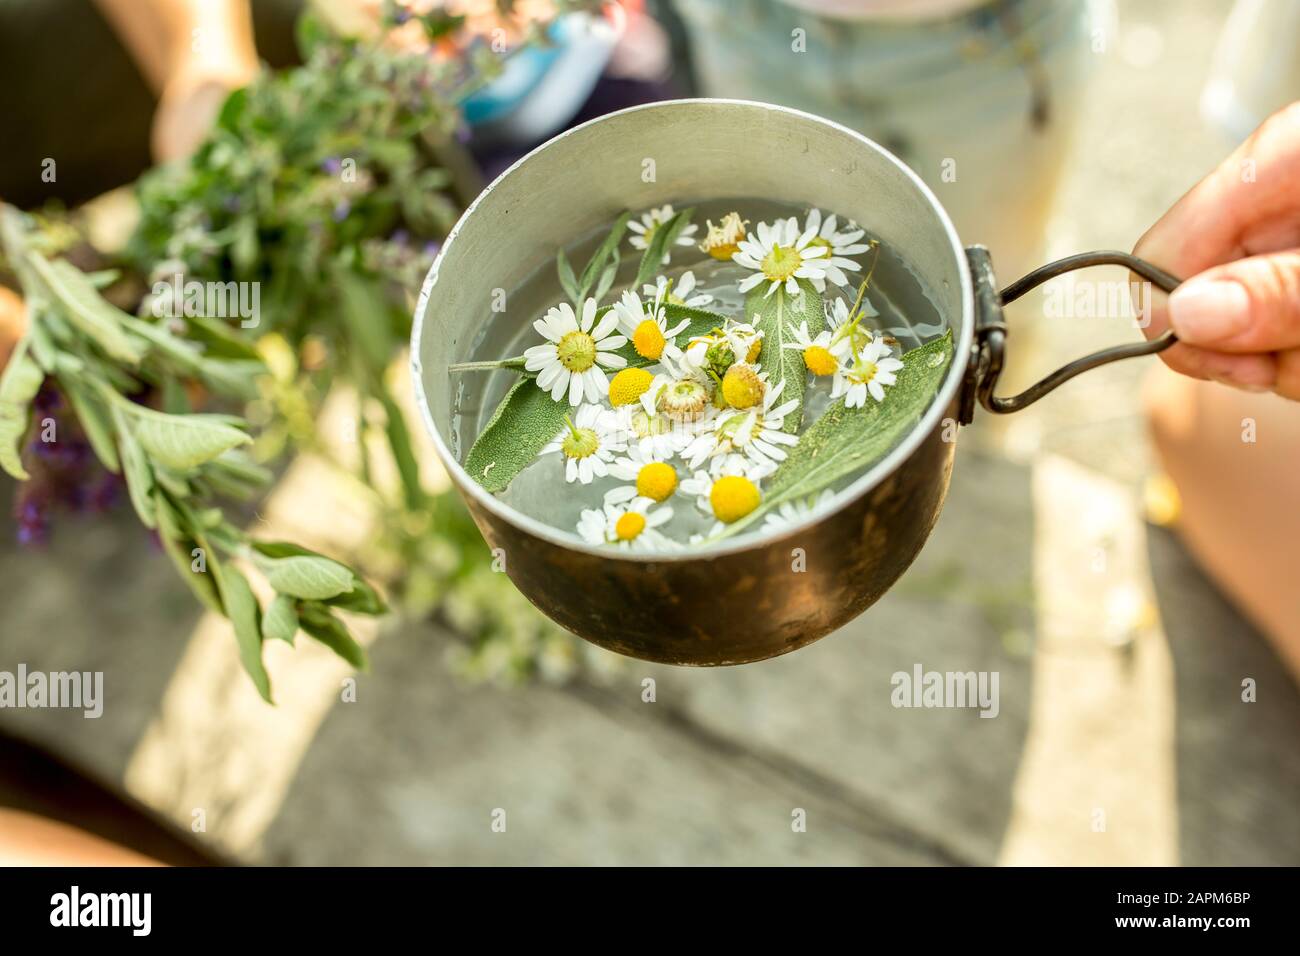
962	337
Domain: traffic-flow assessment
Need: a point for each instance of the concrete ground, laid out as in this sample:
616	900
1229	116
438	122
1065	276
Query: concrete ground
1121	735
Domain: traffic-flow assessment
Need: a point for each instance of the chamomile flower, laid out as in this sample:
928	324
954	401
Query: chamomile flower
728	497
588	443
655	433
849	337
780	255
680	392
734	463
716	351
723	240
756	434
792	512
678	292
817	353
574	356
744	385
650	221
628	525
647	326
650	473
838	244
868	373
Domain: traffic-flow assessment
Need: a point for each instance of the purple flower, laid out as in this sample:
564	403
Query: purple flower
341	210
332	165
33	526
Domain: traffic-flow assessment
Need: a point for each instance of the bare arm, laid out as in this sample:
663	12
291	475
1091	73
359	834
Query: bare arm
192	52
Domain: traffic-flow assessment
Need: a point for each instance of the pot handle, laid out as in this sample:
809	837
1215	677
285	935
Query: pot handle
987	356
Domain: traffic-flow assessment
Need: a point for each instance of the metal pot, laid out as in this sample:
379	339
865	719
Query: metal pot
742	600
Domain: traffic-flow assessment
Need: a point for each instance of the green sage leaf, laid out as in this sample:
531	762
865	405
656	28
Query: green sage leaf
777	315
607	277
18	386
280	622
844	440
95	422
85	308
321	624
660	245
183	442
568	281
179	544
246	618
309	577
135	468
523	424
596	264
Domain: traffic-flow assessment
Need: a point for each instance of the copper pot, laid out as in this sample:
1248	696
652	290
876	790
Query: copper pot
748	598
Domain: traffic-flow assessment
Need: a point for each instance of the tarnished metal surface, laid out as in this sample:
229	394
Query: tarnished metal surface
747	605
744	599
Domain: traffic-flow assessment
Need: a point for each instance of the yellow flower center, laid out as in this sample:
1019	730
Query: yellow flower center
629	385
755	348
864	371
819	360
683	401
629	525
781	263
648	339
741	387
733	497
576	351
656	481
648	426
580	442
723	240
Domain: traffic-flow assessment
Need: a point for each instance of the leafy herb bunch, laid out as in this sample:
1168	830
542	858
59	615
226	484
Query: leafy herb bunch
324	186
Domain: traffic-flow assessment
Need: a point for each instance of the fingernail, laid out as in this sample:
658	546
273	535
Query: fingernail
1203	313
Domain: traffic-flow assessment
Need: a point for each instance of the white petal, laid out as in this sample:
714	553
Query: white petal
575	390
606	325
750	281
621	494
547	376
565	321
588	314
561	384
544	329
610	360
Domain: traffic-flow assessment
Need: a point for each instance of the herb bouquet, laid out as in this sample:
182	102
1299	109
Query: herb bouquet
311	211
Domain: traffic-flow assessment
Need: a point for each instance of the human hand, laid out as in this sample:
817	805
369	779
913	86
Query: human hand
188	107
1236	238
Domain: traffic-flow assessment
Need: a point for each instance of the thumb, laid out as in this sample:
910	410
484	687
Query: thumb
1250	305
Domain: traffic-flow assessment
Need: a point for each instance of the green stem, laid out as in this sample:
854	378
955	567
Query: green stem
517	362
